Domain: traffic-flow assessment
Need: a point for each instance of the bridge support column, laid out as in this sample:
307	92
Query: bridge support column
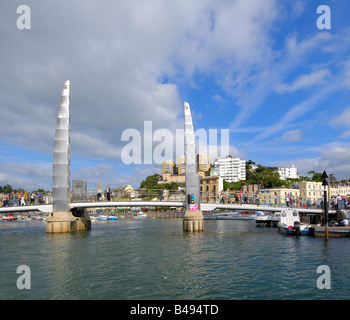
62	222
62	219
193	221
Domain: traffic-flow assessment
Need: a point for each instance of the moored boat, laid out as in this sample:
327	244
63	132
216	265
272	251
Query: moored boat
140	215
112	218
262	219
235	215
290	223
9	218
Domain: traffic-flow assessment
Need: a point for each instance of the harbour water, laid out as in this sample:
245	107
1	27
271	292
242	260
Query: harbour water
155	259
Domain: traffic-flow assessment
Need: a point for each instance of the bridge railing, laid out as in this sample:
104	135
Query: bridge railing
16	199
169	195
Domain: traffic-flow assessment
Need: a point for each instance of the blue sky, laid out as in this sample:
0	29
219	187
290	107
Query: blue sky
260	68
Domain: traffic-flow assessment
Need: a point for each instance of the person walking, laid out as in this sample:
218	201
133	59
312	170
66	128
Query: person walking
99	193
226	195
257	199
108	193
32	198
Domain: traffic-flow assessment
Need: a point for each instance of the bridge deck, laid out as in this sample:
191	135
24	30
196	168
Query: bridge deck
110	204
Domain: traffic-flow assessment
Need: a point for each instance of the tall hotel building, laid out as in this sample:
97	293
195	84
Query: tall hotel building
168	166
230	169
203	163
181	164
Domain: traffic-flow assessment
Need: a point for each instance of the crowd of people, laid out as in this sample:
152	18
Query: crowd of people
238	197
12	199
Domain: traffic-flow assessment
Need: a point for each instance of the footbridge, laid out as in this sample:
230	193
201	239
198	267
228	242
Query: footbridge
66	215
206	207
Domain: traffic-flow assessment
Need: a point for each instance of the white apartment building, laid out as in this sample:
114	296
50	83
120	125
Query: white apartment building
290	172
229	168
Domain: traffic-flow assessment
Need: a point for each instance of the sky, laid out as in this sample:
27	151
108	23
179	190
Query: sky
262	69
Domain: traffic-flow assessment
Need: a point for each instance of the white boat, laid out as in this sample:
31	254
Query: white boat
262	219
290	223
141	215
112	218
275	219
235	215
102	218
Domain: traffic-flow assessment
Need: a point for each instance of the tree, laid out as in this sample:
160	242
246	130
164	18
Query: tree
316	176
151	182
226	185
6	189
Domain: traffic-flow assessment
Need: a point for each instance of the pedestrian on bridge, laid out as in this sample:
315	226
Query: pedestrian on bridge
108	193
99	193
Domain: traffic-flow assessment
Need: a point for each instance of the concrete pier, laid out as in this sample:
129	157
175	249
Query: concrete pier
63	222
193	221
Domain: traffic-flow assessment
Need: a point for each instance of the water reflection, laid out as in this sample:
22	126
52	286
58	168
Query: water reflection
155	259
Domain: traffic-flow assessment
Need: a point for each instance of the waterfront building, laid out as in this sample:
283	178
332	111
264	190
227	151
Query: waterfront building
229	168
251	189
178	178
123	192
277	196
343	191
210	188
310	190
288	172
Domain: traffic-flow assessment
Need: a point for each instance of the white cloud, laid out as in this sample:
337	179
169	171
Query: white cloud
342	122
28	176
333	158
116	61
305	81
290	136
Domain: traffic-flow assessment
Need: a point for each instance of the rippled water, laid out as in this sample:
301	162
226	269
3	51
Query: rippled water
155	259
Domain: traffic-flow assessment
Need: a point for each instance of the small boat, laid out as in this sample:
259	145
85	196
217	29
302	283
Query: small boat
235	215
141	215
275	219
262	219
112	218
102	218
290	223
9	218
